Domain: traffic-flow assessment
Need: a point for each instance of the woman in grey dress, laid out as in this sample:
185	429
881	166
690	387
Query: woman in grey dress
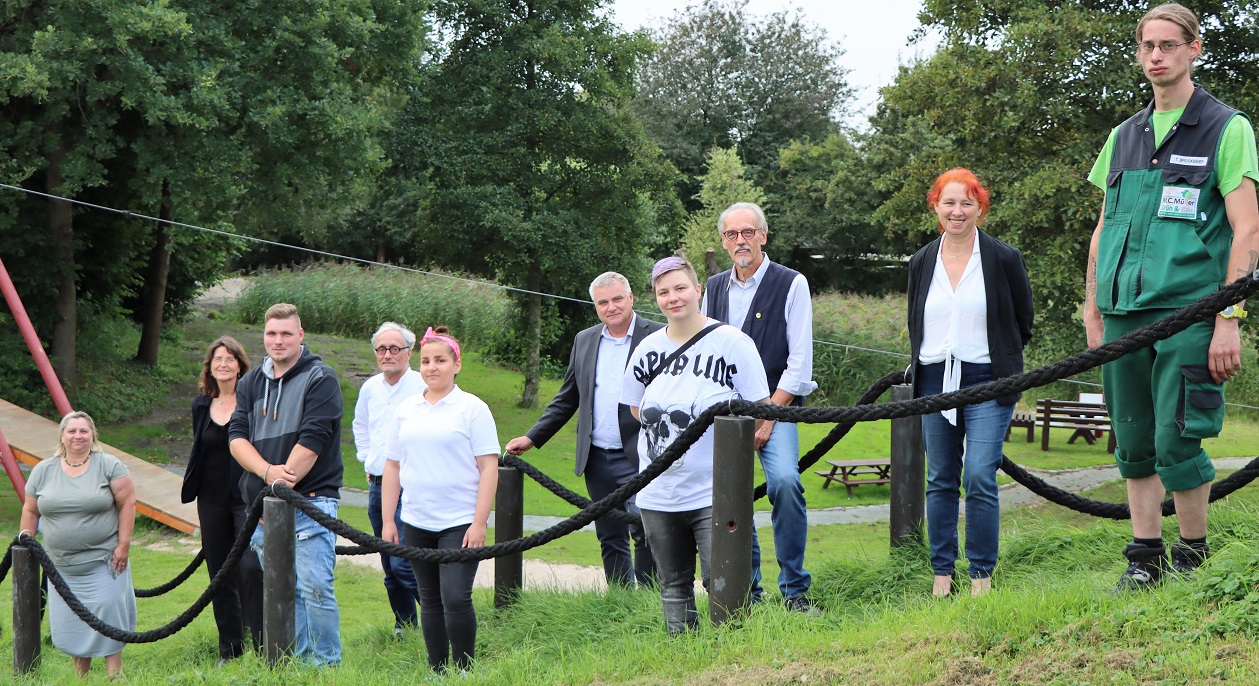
87	503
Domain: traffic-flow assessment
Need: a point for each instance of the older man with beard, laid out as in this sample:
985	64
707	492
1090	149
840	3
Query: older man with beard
770	303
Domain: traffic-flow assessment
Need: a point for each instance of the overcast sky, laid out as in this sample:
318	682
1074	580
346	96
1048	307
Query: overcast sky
875	34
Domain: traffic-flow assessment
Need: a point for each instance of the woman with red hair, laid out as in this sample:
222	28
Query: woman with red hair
970	314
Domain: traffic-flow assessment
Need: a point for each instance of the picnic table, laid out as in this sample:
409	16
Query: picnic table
857	472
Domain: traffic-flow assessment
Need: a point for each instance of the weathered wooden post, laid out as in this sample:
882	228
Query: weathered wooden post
279	578
909	474
26	620
509	525
731	564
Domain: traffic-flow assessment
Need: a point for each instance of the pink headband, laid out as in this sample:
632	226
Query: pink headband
430	335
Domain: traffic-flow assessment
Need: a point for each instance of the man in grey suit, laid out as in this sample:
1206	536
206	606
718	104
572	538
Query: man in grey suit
607	434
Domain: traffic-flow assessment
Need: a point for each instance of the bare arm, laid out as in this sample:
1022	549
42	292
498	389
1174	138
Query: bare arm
124	491
301	460
30	515
1224	356
487	487
390	491
1092	317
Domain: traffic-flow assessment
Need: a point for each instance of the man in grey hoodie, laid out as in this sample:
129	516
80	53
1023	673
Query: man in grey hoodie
287	427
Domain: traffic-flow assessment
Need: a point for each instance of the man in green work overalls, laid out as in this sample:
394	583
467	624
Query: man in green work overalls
1180	220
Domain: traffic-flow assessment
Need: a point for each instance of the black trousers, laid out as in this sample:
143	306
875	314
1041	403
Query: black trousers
606	471
221	522
447	618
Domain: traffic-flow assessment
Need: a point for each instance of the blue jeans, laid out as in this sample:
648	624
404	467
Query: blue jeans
400	585
317	626
780	460
969	455
676	538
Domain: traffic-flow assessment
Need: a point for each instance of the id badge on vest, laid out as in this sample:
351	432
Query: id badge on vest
1179	203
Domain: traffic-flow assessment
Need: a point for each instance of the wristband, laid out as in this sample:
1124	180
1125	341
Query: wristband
264	474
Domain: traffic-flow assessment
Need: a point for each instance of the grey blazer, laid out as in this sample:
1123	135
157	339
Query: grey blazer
576	395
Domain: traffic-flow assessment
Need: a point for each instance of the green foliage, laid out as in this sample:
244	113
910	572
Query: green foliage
722	77
722	185
351	301
822	224
1024	93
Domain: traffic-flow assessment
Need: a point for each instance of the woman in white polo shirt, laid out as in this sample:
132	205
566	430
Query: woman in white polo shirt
442	454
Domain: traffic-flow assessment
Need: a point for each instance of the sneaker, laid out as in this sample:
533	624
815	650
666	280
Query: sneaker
1187	558
1146	567
802	605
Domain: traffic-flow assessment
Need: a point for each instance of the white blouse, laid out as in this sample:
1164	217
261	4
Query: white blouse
955	322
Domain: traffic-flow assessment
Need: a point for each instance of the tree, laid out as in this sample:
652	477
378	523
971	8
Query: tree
1024	93
254	114
722	78
720	187
533	168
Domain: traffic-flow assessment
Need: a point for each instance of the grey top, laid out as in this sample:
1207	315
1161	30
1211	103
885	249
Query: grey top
78	516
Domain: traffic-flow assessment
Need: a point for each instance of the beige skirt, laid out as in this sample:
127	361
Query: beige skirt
105	594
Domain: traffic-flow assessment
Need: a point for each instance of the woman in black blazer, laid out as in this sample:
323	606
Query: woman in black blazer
970	314
212	480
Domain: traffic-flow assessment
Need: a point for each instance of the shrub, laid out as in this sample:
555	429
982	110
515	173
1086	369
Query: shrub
353	301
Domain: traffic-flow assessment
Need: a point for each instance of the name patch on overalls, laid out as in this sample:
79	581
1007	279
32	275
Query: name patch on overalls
1178	203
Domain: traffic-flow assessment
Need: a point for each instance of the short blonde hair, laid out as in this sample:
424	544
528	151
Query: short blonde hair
65	421
282	311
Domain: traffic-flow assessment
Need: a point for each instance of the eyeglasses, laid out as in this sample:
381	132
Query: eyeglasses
391	349
1166	47
732	234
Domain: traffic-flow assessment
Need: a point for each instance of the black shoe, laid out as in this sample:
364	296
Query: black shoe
802	605
1146	568
1187	558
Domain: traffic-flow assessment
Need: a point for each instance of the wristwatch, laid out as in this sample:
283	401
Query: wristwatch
1233	312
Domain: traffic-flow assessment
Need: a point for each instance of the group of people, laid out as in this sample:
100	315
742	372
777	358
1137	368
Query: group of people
1180	220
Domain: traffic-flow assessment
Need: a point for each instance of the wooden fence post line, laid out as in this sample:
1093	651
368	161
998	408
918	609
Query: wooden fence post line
279	578
509	525
909	474
730	568
26	619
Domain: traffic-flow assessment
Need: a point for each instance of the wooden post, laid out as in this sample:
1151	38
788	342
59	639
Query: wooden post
730	568
26	619
509	525
909	474
279	578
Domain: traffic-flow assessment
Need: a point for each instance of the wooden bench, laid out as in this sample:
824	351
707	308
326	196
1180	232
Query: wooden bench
1023	419
1088	419
855	472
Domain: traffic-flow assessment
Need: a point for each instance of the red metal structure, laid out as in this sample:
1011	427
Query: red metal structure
45	370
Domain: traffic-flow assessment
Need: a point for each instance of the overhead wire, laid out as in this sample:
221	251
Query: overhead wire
413	270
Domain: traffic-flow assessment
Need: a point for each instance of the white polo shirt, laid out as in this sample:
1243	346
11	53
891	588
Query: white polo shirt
436	447
373	413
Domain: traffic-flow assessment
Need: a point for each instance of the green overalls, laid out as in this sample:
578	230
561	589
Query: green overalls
1165	242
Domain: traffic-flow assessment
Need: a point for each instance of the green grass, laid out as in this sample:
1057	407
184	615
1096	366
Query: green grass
1050	620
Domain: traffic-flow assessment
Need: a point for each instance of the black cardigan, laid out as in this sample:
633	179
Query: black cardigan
1009	297
196	456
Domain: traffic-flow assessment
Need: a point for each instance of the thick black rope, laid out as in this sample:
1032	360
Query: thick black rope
173	583
1142	337
836	434
573	498
226	572
1105	510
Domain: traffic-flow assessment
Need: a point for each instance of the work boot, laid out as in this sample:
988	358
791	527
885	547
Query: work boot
1187	557
1146	567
